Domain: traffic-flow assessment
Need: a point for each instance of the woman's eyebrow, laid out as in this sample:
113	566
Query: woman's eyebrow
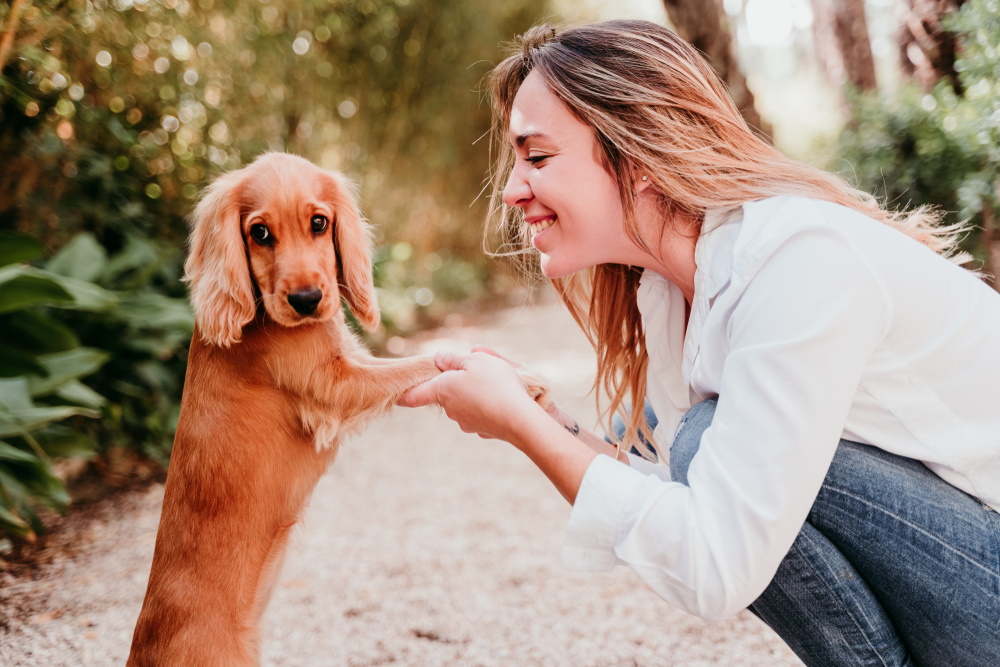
530	134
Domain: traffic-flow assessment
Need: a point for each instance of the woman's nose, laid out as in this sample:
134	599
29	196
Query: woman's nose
517	192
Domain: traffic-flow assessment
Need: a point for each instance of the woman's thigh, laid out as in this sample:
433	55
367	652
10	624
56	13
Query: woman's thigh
929	552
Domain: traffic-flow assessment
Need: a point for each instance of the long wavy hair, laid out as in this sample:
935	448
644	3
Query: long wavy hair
657	108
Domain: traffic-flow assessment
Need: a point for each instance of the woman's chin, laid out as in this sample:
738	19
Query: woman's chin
550	269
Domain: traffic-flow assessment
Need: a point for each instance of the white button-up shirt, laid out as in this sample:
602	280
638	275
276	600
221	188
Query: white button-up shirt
811	322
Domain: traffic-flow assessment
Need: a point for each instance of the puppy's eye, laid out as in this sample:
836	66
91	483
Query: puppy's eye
261	234
319	224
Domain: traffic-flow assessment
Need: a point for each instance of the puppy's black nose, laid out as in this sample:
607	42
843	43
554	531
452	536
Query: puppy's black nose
305	301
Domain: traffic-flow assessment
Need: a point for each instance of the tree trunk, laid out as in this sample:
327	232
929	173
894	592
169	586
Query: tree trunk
702	23
926	49
843	48
991	239
7	40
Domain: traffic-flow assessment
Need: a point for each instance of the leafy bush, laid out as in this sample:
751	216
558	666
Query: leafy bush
146	336
940	147
41	362
83	315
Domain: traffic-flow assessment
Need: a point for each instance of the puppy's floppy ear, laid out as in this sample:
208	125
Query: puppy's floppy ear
353	239
221	290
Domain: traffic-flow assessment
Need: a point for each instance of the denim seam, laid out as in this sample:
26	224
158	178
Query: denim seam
836	597
915	527
993	523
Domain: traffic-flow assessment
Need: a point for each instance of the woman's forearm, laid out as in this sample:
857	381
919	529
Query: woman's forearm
558	453
592	440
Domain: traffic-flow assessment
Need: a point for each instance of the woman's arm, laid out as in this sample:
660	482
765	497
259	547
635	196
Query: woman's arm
483	394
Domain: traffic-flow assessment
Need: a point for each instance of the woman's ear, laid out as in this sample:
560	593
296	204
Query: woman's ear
353	240
221	290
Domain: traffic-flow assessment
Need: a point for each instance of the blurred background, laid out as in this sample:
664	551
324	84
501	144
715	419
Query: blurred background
114	114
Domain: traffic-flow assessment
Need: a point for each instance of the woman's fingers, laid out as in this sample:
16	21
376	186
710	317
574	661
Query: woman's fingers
447	360
494	353
428	393
480	392
419	396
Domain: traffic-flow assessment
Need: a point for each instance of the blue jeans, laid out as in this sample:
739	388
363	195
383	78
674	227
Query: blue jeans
894	566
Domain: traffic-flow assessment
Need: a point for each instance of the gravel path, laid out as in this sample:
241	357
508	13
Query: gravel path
422	546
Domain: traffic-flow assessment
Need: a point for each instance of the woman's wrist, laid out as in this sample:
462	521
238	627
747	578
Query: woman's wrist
563	419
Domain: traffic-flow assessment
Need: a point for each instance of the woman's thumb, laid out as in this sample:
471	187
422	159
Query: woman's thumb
447	360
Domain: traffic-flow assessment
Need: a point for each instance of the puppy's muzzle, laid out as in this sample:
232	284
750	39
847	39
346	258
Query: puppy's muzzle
305	301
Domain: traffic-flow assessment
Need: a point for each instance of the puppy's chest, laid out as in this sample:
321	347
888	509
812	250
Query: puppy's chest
311	389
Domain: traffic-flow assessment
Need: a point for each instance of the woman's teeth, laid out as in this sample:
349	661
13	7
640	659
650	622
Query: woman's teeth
542	225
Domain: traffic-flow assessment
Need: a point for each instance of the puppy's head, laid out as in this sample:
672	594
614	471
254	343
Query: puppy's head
287	233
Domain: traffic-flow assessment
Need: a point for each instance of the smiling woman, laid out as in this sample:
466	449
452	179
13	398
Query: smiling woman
570	201
780	326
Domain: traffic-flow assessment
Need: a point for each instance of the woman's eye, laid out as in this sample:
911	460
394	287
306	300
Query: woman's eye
319	224
261	234
536	159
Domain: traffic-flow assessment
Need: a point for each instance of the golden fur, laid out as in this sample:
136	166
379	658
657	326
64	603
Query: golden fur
269	394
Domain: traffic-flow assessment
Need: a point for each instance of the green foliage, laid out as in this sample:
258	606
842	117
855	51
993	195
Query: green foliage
145	335
84	315
938	148
41	363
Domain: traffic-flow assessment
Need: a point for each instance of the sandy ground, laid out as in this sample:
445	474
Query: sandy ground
421	546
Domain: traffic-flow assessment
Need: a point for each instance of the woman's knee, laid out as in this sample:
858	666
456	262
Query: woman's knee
688	438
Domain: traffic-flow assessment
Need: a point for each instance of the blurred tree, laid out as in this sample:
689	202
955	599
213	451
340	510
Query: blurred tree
941	147
115	113
926	48
703	24
843	47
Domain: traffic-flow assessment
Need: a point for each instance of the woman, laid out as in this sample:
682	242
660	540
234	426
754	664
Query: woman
823	376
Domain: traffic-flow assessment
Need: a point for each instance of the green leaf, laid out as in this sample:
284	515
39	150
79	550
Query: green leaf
34	331
12	523
156	311
17	248
14	394
138	253
9	452
65	366
25	291
78	393
15	362
86	296
62	442
53	289
20	420
82	258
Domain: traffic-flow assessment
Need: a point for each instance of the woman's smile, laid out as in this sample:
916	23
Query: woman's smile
539	224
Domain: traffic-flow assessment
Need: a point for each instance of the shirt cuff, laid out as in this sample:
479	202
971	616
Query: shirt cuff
647	467
594	522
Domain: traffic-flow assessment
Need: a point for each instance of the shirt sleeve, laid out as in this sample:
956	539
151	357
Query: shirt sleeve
800	336
646	467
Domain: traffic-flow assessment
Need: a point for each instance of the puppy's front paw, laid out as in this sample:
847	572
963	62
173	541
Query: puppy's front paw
536	386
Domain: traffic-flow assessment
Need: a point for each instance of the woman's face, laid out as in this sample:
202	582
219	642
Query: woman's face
571	203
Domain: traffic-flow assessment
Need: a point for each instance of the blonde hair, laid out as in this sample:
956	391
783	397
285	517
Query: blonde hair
657	108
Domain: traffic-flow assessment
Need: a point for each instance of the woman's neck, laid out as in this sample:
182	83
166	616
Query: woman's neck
675	256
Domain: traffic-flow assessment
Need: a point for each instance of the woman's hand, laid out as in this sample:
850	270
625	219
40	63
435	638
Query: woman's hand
484	394
480	391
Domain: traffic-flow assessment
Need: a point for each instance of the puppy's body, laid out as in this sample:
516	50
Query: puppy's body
243	467
274	381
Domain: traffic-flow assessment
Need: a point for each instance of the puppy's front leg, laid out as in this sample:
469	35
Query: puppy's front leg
372	384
